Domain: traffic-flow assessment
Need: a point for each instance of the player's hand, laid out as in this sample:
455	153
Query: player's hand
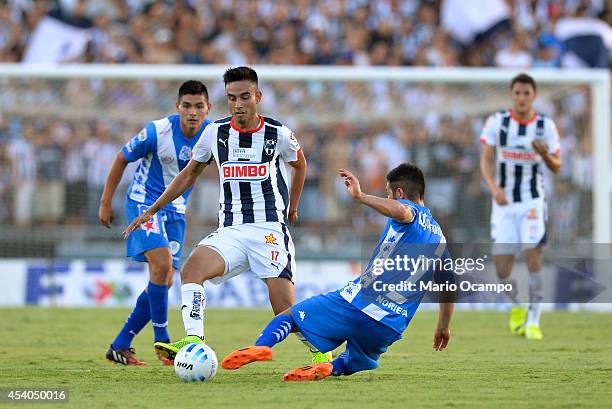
351	182
106	214
137	222
540	147
499	195
441	338
293	216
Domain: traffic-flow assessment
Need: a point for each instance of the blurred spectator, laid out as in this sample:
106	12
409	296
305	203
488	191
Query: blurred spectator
50	190
99	152
22	159
548	52
513	56
75	175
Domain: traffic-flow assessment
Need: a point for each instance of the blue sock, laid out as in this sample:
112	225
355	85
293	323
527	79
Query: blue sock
276	331
339	366
158	300
141	314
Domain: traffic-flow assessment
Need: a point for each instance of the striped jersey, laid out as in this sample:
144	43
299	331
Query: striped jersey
165	151
252	174
420	242
518	165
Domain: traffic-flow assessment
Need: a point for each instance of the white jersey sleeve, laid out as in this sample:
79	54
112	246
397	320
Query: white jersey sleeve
490	131
289	146
202	151
551	136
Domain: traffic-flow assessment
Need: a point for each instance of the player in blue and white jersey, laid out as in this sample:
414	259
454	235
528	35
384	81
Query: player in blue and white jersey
368	313
164	148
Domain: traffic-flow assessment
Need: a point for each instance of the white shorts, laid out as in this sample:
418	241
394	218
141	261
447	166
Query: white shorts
518	226
264	248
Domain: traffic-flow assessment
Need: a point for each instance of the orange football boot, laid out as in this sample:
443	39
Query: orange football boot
313	372
241	357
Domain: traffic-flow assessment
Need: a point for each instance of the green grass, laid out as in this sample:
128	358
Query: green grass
483	367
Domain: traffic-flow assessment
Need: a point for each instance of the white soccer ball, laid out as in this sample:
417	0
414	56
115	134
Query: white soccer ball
195	362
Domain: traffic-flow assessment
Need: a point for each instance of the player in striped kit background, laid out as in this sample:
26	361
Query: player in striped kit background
516	145
255	202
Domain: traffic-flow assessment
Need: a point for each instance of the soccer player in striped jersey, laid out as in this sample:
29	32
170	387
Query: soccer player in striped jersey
255	206
516	145
164	147
368	313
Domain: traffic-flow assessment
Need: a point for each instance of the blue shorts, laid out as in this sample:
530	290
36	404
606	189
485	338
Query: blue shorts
165	229
327	320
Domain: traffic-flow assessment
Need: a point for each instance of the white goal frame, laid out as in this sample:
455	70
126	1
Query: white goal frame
597	79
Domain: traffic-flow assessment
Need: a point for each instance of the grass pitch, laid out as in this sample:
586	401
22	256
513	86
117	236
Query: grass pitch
483	367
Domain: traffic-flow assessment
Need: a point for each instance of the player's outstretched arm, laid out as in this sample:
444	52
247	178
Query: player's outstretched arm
442	334
387	207
183	181
105	212
298	176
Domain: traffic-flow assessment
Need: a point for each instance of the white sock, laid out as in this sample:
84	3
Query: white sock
301	337
513	294
192	308
535	298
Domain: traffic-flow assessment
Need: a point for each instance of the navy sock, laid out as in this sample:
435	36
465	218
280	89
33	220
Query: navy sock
141	314
339	366
276	331
158	300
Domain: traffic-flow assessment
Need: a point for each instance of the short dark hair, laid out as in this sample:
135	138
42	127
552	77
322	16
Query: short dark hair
193	87
523	79
410	178
240	74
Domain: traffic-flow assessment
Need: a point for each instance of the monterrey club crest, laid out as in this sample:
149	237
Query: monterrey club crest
269	147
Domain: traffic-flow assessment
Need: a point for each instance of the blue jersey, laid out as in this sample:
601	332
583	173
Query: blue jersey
414	252
165	151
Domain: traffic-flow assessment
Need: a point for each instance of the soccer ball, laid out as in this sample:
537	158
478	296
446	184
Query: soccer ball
195	362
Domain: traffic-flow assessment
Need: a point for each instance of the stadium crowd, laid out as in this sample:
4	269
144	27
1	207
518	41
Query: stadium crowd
55	148
513	33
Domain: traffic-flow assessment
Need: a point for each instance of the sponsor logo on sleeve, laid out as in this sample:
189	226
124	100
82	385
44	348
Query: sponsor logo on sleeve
142	135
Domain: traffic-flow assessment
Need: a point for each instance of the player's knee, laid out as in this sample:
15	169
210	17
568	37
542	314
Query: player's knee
160	270
534	264
503	266
533	259
189	274
193	272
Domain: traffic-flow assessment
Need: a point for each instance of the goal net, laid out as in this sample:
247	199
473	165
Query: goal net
60	128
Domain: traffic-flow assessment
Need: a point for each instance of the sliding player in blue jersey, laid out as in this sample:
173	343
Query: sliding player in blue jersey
371	312
165	147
